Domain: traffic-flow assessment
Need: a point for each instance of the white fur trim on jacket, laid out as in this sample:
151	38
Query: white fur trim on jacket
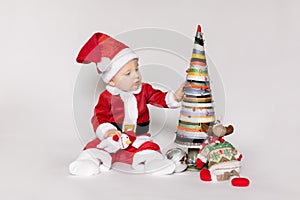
103	128
170	100
130	109
130	104
141	140
116	91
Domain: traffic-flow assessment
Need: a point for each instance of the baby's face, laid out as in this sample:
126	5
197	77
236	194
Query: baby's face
128	78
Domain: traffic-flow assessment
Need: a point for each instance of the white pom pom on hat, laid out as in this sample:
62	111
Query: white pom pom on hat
109	54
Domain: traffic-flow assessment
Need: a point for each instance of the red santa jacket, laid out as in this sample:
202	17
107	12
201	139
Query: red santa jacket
110	108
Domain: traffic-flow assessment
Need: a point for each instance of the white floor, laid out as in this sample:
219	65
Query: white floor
38	169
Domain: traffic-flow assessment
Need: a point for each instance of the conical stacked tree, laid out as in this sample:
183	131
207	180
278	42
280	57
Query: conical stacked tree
197	105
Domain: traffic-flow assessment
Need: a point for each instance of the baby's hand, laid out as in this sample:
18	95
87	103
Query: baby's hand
111	133
178	95
109	144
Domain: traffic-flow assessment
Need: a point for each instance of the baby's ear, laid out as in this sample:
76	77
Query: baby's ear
219	130
112	83
229	130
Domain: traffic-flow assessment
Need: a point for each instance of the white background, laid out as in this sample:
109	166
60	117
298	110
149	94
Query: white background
254	44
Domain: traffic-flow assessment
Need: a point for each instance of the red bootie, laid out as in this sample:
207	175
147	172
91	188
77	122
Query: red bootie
199	163
205	175
240	182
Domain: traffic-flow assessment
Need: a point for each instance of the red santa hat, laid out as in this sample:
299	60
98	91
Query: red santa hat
109	55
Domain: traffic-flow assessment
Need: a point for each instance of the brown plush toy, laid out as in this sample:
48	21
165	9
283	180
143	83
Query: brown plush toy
221	157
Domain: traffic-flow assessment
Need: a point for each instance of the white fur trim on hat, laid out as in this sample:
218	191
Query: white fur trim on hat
109	70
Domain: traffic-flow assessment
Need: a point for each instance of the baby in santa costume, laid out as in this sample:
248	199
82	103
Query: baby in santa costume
122	107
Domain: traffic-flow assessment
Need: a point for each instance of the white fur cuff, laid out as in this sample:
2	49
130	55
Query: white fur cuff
103	128
202	158
170	100
141	140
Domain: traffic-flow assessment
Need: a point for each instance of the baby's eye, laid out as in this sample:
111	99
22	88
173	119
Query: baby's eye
136	69
127	74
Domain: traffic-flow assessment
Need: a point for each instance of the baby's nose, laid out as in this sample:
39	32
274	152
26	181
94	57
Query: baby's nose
135	74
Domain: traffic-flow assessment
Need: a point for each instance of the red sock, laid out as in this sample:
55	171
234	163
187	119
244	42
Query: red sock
240	182
199	163
205	175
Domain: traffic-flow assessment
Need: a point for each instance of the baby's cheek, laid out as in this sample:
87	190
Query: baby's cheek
124	84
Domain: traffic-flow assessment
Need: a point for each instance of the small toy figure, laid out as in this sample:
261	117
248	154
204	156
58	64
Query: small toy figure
222	158
119	142
122	108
